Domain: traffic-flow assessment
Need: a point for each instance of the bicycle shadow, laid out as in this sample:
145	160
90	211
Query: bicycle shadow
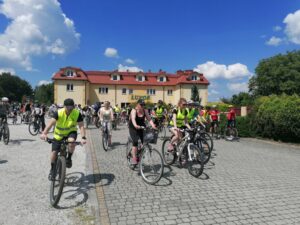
20	141
77	186
165	179
116	144
204	176
3	161
209	165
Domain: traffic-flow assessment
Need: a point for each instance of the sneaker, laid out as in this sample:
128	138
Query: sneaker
134	161
69	163
170	147
51	176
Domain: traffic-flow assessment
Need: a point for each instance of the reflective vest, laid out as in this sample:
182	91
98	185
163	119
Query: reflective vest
179	119
65	124
159	112
190	114
117	109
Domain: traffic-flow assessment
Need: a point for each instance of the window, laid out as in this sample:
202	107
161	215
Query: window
150	91
170	92
194	77
103	90
130	91
139	78
70	73
69	87
115	77
124	91
161	79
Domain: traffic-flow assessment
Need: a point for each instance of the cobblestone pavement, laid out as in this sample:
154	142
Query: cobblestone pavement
246	182
24	190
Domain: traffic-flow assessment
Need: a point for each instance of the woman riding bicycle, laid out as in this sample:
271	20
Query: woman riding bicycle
136	122
106	117
179	121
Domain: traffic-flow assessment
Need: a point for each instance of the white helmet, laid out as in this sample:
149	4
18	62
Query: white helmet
4	99
60	105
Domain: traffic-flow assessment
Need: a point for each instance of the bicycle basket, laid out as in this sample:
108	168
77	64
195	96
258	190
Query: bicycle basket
151	137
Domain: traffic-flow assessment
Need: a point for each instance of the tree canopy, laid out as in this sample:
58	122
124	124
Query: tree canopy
45	93
195	94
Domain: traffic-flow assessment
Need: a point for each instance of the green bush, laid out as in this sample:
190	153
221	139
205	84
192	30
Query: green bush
244	126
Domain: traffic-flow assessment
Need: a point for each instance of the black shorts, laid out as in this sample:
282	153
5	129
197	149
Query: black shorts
56	144
135	135
212	124
230	123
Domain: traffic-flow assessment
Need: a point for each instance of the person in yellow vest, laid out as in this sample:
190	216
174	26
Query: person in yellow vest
159	113
179	121
191	111
65	121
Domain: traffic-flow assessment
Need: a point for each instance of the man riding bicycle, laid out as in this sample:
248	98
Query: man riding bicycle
65	121
4	107
158	113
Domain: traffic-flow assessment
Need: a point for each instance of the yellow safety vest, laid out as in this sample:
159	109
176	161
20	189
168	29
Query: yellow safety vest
117	109
159	112
179	119
190	114
65	124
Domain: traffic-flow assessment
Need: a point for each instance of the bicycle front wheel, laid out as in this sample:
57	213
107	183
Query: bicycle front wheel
57	185
151	165
105	141
230	134
195	165
168	155
5	134
33	128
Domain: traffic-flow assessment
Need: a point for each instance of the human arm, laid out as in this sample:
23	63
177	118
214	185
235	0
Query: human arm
47	128
149	119
111	115
82	132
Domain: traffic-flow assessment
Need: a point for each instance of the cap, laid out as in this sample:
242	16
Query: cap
69	102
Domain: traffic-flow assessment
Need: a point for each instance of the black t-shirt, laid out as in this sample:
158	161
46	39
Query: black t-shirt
80	119
4	109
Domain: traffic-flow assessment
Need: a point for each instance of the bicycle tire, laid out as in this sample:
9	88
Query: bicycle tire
209	140
204	149
60	171
105	140
128	155
196	160
32	130
5	134
230	134
147	163
166	154
162	133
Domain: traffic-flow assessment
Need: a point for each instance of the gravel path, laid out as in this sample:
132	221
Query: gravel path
24	192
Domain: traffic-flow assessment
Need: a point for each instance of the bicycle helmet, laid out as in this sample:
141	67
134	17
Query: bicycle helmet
69	102
4	99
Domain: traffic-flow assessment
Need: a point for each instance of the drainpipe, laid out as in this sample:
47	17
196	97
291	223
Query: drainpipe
115	94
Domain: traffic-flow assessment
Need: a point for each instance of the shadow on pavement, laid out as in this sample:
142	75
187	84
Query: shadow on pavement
204	176
116	144
3	161
19	141
77	186
165	179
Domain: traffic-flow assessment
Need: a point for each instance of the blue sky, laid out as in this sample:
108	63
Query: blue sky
223	39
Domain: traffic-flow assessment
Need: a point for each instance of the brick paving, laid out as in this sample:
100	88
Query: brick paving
246	182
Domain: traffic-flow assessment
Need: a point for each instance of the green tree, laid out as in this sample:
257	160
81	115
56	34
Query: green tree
240	99
45	93
14	87
195	94
277	75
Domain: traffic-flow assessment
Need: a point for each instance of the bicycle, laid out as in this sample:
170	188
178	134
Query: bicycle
215	131
97	121
57	184
105	135
161	128
230	133
4	131
185	152
35	127
150	161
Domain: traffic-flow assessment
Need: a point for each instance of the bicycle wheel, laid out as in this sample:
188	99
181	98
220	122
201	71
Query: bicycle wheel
98	123
33	128
128	155
162	132
196	165
205	149
168	156
5	134
209	140
57	185
151	165
105	140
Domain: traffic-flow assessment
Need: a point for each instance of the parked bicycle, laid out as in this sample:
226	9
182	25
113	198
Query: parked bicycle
150	161
185	152
4	131
230	133
35	127
57	184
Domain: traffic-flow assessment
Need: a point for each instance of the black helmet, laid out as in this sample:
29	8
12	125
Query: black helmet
160	102
69	102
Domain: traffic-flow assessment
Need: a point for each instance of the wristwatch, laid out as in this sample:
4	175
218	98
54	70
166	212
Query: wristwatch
84	138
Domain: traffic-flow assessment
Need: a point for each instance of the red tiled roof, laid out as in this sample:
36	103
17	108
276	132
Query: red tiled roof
129	78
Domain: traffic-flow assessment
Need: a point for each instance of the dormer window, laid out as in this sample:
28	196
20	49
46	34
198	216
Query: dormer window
161	79
194	77
140	78
69	73
115	77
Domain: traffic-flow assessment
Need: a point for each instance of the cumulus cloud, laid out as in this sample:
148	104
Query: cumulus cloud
7	70
122	68
211	70
130	61
44	82
37	27
292	29
111	53
213	92
274	41
238	87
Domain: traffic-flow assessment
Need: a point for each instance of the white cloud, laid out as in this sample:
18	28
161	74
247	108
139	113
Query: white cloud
277	28
130	61
238	87
213	92
7	70
274	41
37	27
122	68
292	29
111	53
44	82
211	70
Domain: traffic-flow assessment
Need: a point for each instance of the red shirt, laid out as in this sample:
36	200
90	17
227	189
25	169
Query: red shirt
231	115
214	114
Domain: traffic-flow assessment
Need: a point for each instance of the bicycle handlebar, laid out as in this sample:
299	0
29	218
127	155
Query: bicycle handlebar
51	140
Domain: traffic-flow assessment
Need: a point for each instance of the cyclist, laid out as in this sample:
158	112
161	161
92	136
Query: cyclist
158	113
179	121
42	116
4	108
27	111
65	121
106	116
214	116
231	115
202	116
95	109
191	111
136	122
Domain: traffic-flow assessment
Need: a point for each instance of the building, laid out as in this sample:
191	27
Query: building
88	87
